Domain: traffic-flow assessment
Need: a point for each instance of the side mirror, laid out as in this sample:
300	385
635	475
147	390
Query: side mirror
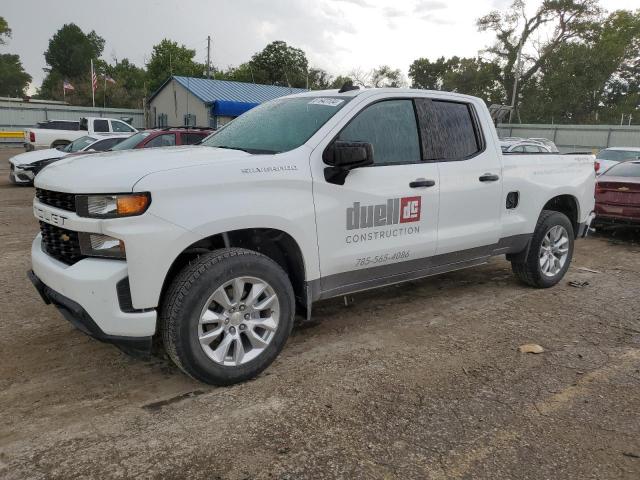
344	157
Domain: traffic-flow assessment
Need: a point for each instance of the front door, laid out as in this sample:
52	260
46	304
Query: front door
382	223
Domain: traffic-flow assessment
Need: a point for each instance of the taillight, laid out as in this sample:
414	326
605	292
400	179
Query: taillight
32	136
596	166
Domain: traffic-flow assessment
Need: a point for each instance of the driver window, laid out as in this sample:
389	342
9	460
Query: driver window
390	126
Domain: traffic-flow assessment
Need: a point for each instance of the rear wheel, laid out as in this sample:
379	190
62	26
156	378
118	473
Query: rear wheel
226	317
550	251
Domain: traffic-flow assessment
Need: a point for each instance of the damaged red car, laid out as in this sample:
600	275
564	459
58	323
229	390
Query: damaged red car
618	195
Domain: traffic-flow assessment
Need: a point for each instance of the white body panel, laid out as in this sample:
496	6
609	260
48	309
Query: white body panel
198	192
46	138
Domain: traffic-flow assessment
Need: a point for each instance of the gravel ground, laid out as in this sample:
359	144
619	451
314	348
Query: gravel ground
422	380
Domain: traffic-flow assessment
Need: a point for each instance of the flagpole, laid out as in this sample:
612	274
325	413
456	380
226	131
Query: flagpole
64	92
93	93
104	93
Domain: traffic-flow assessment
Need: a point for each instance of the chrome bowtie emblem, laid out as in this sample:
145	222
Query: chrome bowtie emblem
64	237
623	189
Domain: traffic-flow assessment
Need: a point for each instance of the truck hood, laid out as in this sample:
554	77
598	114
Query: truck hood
36	155
114	172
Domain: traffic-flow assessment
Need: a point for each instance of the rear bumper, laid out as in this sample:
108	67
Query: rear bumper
607	213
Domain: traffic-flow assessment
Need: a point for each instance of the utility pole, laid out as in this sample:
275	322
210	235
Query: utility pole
208	56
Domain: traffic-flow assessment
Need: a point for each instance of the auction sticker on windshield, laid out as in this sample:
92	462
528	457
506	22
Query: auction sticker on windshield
329	102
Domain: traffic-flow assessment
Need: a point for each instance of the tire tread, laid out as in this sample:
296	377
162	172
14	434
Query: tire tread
174	298
527	271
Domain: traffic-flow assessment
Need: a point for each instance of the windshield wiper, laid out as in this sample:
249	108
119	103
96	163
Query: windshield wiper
252	151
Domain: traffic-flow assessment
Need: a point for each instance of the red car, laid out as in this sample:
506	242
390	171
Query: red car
618	195
164	137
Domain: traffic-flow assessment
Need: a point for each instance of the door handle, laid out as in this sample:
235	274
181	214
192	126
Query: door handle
422	183
489	177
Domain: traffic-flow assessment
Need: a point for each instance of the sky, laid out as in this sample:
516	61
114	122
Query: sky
337	35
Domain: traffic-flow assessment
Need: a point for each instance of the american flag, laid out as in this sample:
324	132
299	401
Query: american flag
94	79
67	86
108	79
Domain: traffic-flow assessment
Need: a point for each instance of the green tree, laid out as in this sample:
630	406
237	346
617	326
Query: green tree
13	79
318	79
280	64
385	76
129	88
471	76
168	58
71	50
5	31
589	81
241	73
565	19
340	81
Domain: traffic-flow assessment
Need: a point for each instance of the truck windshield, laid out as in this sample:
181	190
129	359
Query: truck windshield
277	126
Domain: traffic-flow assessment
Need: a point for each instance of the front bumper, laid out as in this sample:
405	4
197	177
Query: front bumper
86	294
20	176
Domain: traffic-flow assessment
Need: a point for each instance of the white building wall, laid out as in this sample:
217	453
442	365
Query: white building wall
176	101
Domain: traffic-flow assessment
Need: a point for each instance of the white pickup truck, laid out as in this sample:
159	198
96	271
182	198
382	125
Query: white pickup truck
214	249
54	138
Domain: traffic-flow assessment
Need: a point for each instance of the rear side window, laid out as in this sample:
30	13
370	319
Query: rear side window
449	130
532	149
100	125
390	126
192	138
164	140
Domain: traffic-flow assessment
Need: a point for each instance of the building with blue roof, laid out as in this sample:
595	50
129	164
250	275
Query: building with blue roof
207	103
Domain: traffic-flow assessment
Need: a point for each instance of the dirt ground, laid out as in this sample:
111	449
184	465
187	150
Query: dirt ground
422	380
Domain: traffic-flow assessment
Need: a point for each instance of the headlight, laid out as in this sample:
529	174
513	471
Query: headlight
97	245
112	206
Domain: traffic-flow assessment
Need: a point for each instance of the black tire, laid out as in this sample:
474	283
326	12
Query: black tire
187	295
529	270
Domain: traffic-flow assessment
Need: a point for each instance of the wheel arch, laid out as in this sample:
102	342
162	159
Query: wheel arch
278	245
568	205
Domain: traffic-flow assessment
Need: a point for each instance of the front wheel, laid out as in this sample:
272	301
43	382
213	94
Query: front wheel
226	316
550	251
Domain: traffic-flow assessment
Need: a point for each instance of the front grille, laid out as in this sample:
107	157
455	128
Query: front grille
61	244
65	201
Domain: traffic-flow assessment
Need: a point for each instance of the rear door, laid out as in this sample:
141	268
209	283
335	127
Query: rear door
470	173
382	222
